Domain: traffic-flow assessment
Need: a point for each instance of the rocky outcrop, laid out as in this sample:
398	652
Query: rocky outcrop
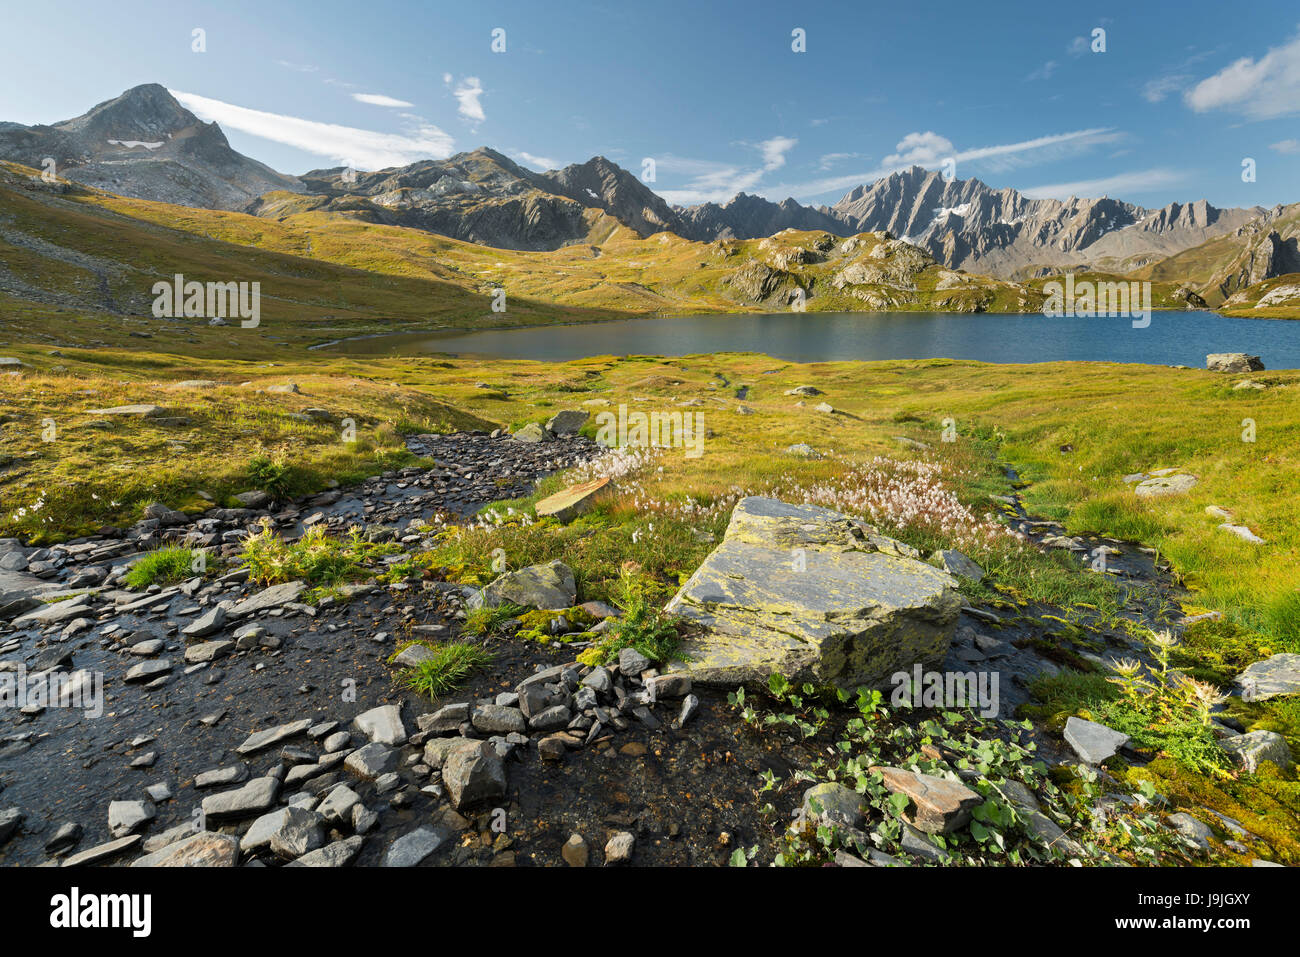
1233	362
537	586
813	594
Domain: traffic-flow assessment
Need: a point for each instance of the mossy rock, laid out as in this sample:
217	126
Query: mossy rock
536	626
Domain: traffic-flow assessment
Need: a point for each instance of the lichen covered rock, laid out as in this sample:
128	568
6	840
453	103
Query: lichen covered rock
814	595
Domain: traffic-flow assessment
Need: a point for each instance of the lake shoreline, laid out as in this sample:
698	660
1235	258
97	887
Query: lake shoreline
999	338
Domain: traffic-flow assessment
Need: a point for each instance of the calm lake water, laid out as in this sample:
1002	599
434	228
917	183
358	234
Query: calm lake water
1172	338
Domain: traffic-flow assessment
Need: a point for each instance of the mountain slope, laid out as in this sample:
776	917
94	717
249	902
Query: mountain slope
146	145
1222	269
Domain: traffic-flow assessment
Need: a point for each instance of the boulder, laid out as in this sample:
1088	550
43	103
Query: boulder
1242	532
955	563
255	797
142	410
834	805
1162	485
814	595
532	432
338	854
204	849
382	725
568	421
473	775
264	739
268	598
1233	362
127	817
1093	742
1249	750
938	805
411	848
1271	677
206	624
571	502
549	586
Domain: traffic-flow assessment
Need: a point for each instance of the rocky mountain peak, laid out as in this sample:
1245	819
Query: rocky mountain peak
145	144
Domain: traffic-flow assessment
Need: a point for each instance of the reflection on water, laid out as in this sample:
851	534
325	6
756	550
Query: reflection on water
1173	338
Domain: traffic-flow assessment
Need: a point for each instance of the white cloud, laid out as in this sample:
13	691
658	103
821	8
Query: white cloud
378	99
467	94
360	149
1286	147
920	149
1263	88
537	162
1078	46
1136	181
774	151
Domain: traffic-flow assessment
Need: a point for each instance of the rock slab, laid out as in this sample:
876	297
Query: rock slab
814	595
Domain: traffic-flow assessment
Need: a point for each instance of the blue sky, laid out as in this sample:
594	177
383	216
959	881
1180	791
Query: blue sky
713	92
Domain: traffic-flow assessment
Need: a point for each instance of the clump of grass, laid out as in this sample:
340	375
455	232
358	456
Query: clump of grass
163	566
644	626
483	621
272	477
447	670
315	558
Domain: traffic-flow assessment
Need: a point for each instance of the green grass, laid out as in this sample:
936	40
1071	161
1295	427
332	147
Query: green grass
484	621
447	670
320	560
163	566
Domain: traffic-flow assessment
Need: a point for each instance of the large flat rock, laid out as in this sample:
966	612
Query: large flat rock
814	595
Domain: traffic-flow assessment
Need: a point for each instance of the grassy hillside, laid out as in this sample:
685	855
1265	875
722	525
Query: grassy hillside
77	267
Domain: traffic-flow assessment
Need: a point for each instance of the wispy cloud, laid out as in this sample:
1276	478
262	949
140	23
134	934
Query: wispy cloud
1158	89
1259	89
1286	147
379	99
360	149
930	149
827	160
467	93
1044	72
1135	181
716	182
540	163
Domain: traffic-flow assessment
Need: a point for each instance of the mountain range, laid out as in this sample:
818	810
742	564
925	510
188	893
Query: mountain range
145	144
